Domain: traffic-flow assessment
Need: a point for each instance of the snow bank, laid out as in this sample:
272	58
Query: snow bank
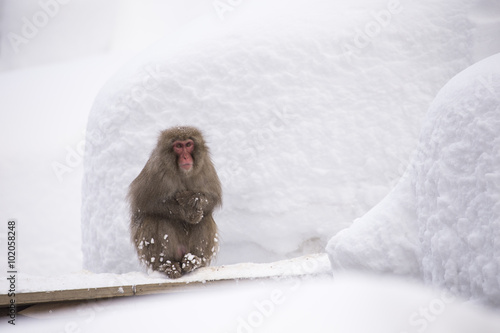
310	110
443	219
350	303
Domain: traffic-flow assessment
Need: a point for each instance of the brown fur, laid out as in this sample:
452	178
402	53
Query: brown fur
171	209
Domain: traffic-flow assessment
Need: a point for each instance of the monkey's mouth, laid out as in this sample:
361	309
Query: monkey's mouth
186	166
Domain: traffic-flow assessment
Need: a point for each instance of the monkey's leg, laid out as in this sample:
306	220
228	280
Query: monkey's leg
161	245
203	243
144	236
174	241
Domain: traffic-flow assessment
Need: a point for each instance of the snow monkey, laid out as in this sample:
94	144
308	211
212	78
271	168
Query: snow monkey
171	204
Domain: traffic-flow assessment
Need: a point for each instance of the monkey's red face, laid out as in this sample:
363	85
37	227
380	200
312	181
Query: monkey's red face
183	150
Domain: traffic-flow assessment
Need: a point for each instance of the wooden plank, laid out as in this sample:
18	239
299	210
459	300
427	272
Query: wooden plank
30	298
66	295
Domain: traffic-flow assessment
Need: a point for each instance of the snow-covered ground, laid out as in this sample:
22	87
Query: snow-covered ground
348	303
312	116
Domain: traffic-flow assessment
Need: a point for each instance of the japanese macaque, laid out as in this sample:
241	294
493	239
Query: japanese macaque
171	203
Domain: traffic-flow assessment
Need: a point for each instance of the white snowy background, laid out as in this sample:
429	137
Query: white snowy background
307	134
313	110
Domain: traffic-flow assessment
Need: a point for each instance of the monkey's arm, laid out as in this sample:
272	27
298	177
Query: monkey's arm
171	209
197	200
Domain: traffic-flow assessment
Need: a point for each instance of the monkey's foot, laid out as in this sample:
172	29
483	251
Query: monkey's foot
173	270
190	262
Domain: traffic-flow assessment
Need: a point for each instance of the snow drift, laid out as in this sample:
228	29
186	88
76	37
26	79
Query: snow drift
351	303
310	110
442	221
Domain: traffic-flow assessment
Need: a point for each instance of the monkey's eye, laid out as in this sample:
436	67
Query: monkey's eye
179	145
189	144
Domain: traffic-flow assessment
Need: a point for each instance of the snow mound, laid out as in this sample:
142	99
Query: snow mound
349	303
442	221
309	108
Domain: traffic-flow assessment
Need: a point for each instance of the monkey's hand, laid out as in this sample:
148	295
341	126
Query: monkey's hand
193	216
191	204
195	200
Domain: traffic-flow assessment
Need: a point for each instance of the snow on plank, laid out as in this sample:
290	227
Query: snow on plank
89	286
